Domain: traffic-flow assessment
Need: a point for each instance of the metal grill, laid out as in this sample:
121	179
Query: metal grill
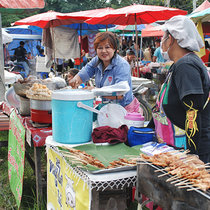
165	194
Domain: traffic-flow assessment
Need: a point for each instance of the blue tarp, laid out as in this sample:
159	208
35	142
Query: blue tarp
30	40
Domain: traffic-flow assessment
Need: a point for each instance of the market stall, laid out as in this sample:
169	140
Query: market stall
86	187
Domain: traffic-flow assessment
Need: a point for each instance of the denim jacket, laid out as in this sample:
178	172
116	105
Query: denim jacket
118	70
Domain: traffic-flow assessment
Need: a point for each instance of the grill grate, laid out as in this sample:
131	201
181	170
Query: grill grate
161	170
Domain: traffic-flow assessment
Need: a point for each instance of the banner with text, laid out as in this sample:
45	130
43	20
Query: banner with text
16	156
65	190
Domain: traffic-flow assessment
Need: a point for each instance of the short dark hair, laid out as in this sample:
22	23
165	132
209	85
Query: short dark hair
73	71
130	52
158	40
22	43
102	36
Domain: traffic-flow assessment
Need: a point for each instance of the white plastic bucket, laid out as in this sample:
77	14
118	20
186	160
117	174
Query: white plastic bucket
134	119
71	124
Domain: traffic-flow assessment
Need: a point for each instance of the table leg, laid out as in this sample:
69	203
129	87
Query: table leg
39	184
95	200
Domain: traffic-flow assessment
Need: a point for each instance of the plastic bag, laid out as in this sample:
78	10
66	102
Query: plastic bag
117	89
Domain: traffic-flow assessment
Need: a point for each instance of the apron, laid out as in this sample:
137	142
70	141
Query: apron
165	130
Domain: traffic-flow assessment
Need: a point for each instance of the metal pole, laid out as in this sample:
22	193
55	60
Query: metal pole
2	80
80	44
140	48
194	4
137	53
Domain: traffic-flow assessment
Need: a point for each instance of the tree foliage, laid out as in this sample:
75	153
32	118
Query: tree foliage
65	6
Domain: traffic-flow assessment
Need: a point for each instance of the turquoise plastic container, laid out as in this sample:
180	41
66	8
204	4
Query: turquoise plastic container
71	124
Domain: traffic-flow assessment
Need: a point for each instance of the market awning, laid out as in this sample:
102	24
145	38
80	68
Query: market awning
16	6
150	31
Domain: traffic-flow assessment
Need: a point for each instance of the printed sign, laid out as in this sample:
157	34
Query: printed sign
65	190
16	156
40	65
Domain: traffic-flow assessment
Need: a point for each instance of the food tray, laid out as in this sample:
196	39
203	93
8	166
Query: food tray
107	154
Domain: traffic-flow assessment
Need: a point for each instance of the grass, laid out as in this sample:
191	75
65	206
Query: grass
7	199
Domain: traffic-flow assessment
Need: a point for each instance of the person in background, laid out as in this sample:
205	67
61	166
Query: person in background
108	68
206	57
20	55
157	57
147	54
184	97
84	58
136	49
59	63
130	57
29	56
71	74
42	53
78	62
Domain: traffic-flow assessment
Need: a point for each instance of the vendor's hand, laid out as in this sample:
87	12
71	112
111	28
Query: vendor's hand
114	97
75	82
88	87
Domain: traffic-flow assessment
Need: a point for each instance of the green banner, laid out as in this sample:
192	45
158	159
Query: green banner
16	156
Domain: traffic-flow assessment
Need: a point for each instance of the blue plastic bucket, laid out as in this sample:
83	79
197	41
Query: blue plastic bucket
71	124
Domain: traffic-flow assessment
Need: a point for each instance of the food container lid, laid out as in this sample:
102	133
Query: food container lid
134	116
72	95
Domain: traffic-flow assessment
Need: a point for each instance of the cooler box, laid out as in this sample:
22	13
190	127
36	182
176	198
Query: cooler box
71	124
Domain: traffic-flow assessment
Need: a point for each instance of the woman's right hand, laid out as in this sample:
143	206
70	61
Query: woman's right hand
75	82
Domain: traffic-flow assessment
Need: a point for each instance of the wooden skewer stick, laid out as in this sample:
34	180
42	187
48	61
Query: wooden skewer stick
191	189
182	179
163	174
185	186
161	169
183	183
172	178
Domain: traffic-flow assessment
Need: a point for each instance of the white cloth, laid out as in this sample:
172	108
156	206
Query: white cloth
60	42
185	32
66	43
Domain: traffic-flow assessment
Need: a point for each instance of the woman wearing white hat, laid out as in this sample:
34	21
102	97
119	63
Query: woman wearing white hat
184	99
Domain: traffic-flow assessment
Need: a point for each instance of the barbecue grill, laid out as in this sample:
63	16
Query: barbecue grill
166	194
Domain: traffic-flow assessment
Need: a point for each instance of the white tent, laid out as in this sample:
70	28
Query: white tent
6	38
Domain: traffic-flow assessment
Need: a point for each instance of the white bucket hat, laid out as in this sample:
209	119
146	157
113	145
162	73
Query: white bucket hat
185	32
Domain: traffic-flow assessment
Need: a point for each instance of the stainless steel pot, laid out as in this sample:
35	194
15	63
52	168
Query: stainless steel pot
40	105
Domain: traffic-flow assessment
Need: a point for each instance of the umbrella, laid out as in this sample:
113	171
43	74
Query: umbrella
136	14
84	15
85	28
6	38
130	27
46	20
203	6
20	5
203	16
151	30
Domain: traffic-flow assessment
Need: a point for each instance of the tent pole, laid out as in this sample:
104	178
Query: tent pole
80	44
53	40
140	48
137	53
2	80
